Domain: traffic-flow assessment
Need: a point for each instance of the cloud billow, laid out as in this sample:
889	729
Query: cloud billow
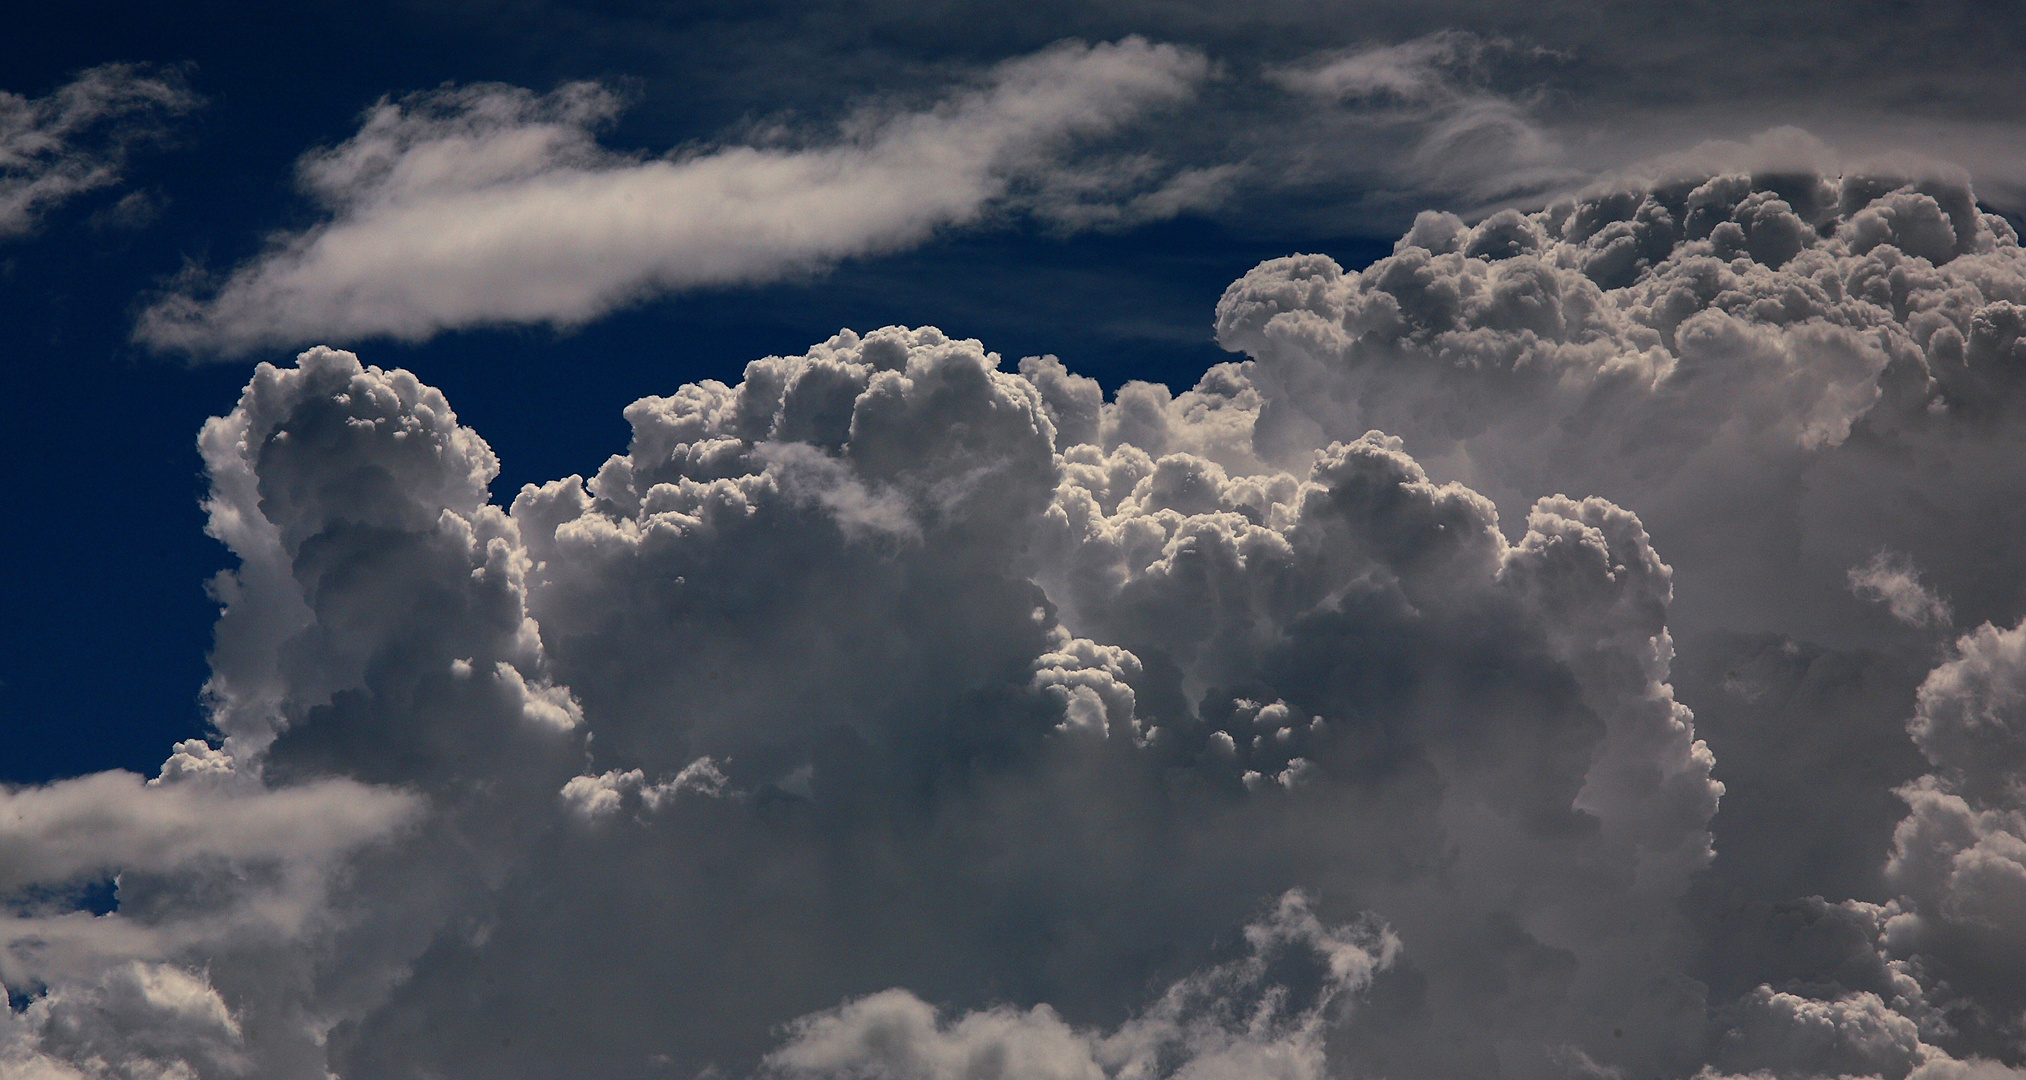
897	713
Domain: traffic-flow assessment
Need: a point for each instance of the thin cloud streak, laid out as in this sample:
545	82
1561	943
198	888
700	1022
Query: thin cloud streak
76	139
491	205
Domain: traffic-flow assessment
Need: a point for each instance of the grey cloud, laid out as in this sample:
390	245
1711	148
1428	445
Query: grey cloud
1697	350
490	205
1598	86
1784	375
1432	119
1959	857
231	866
97	825
76	139
1228	1021
924	686
139	1021
937	711
1895	582
1040	720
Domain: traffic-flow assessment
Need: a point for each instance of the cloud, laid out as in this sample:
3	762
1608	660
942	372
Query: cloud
137	1022
98	825
1894	582
491	205
76	140
899	712
1449	118
1959	857
207	863
1228	1021
1901	988
1785	375
1790	354
862	674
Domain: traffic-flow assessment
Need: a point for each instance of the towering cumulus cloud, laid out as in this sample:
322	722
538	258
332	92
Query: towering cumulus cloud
895	715
1824	368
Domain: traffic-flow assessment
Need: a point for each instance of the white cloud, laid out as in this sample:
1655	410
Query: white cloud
491	205
76	139
1893	581
594	797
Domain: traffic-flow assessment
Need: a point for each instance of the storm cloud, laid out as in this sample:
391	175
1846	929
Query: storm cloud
900	712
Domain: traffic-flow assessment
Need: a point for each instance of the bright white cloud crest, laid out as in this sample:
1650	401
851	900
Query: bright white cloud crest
893	714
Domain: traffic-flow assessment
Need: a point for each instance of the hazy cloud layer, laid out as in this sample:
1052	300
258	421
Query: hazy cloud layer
76	138
902	713
491	205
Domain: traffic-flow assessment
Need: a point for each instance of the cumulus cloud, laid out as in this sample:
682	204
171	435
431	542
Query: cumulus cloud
868	673
490	205
101	824
77	138
1800	358
1801	385
1228	1021
900	712
1959	857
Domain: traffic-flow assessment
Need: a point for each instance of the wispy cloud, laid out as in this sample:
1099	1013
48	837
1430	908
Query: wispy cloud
489	205
1449	114
1893	580
76	139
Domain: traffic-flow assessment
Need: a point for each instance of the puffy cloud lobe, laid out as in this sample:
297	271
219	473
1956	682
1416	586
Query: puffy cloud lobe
370	559
377	678
76	140
1891	989
1959	857
593	797
1793	380
490	205
1697	350
1228	1021
1259	583
1970	718
139	1021
1856	1035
